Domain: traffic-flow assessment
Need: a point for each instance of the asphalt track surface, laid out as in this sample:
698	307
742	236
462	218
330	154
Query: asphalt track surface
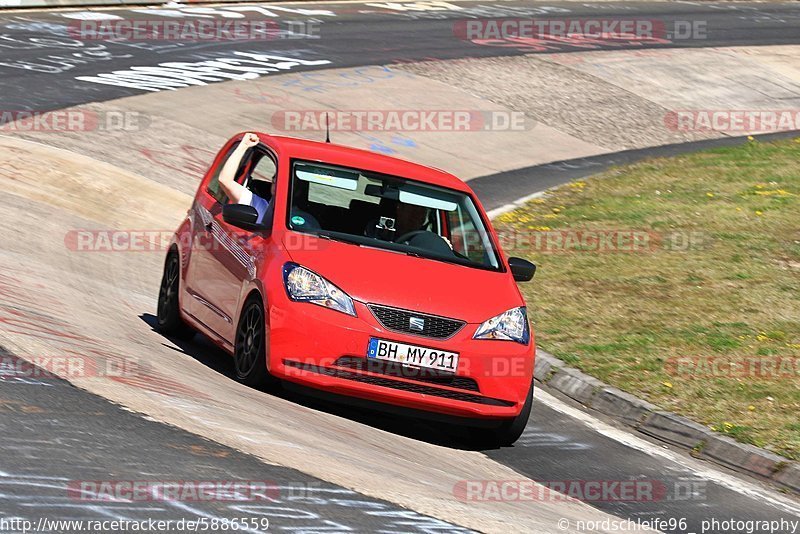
60	443
555	447
98	440
41	60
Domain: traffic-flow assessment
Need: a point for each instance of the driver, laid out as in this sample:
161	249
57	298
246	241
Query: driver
412	219
236	192
409	218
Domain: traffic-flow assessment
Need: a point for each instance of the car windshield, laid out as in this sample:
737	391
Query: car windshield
371	209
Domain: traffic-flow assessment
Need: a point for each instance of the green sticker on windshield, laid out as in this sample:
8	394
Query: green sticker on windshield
298	220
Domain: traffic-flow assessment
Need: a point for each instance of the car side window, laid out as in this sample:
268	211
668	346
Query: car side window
213	188
261	176
243	174
265	169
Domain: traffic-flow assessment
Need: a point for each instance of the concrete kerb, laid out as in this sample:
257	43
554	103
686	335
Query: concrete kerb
789	476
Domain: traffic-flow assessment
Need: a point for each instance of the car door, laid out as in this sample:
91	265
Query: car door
232	253
221	258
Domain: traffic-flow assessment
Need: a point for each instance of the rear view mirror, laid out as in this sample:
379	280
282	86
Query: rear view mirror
523	270
240	215
389	192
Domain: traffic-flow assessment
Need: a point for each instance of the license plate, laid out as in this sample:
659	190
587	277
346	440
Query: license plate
412	355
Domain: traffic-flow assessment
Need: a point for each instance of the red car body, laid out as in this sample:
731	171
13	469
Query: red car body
321	348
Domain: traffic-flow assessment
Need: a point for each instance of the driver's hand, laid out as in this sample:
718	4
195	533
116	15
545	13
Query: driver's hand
249	140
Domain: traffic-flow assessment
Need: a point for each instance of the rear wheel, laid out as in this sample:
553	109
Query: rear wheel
249	353
169	318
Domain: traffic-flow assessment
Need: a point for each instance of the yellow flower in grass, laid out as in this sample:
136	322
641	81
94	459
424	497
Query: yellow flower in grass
751	138
667	385
710	194
759	213
751	408
775	193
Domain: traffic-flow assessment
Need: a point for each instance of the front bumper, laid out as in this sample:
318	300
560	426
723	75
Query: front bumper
325	349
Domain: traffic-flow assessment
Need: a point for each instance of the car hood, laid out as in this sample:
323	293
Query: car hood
385	277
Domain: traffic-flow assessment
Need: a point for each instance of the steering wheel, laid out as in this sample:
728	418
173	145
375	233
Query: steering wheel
408	236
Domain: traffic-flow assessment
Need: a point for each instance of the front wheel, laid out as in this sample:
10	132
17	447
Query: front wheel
169	315
510	430
249	352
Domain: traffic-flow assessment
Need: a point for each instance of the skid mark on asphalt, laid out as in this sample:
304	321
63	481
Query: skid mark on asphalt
289	509
323	82
58	478
20	317
534	436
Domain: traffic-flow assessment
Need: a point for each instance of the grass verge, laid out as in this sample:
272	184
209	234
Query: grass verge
678	280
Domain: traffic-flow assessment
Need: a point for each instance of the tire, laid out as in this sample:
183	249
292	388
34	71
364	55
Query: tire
510	430
170	322
249	349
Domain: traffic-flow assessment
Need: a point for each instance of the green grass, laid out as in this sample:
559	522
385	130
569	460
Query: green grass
717	280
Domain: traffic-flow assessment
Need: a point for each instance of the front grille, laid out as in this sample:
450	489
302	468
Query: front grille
400	321
432	376
397	384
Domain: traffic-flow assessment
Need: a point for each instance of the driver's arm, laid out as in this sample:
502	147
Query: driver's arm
227	177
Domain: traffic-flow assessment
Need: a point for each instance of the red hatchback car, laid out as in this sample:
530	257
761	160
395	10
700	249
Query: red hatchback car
368	276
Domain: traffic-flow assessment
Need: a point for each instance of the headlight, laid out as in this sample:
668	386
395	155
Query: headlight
511	325
307	286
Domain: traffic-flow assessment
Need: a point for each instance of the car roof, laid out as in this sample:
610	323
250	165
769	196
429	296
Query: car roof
365	160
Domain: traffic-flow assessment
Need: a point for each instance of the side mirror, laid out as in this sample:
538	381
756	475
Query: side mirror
523	270
240	215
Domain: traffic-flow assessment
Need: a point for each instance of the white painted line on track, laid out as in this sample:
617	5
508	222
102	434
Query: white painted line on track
697	467
513	205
